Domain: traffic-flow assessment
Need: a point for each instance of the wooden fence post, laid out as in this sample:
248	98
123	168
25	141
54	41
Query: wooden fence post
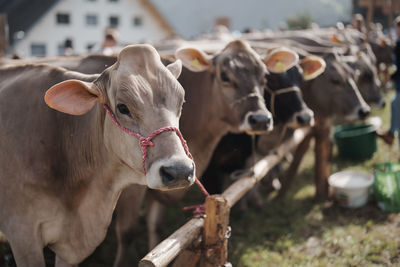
322	156
216	232
3	34
294	165
187	258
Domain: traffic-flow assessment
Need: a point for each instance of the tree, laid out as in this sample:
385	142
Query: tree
298	22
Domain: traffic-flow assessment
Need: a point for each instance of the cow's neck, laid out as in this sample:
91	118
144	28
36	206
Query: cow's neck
93	214
93	192
202	121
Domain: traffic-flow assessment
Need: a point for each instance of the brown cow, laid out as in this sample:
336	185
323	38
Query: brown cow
61	175
224	92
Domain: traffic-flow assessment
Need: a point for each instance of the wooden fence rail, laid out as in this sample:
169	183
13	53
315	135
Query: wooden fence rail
207	235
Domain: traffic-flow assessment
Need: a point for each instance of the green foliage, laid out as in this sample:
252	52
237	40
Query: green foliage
299	22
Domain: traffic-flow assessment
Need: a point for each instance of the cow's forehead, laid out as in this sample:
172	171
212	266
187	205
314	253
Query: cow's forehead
143	61
140	60
140	74
238	55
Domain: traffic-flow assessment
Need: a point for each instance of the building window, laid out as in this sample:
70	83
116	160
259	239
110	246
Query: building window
137	21
38	50
61	49
114	21
91	19
90	47
63	18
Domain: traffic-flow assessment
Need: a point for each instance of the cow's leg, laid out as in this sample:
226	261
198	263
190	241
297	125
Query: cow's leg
27	253
62	263
127	213
154	219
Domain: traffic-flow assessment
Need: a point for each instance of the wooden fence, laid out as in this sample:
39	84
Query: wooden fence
204	239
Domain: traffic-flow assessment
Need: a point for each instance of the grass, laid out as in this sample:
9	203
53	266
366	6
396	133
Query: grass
295	230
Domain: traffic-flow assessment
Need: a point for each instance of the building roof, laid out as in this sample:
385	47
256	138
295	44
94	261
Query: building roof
158	16
22	14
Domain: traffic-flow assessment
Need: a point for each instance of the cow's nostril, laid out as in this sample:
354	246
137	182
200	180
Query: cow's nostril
252	120
259	122
363	113
303	119
177	174
166	176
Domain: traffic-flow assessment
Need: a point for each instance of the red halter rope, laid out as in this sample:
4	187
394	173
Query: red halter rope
146	141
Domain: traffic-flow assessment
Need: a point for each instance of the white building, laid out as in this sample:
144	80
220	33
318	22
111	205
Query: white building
41	27
84	21
190	18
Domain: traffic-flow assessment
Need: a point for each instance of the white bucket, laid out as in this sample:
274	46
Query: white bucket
351	188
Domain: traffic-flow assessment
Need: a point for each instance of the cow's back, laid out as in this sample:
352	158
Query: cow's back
32	136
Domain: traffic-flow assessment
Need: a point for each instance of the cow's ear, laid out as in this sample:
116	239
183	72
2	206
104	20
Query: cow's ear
382	41
193	59
312	66
335	39
280	60
175	68
72	97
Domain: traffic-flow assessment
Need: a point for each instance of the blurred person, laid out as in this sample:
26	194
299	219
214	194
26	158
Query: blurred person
388	137
358	23
68	47
110	44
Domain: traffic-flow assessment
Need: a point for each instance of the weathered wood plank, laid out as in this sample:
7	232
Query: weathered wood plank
322	157
168	249
3	34
238	189
295	164
215	233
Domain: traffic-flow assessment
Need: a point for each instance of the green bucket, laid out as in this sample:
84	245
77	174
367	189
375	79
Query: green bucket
387	186
356	141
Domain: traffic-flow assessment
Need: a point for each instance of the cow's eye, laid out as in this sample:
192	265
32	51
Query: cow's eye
224	77
123	109
336	81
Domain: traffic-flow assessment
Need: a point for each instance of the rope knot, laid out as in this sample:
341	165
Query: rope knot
145	141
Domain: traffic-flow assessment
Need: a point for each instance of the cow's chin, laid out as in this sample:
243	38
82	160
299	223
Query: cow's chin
252	132
352	117
294	124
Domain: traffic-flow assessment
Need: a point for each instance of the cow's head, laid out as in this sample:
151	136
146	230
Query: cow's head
382	48
286	75
366	77
144	96
335	92
239	76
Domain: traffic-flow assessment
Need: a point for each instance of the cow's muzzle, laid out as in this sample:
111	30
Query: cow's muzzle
177	175
257	122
